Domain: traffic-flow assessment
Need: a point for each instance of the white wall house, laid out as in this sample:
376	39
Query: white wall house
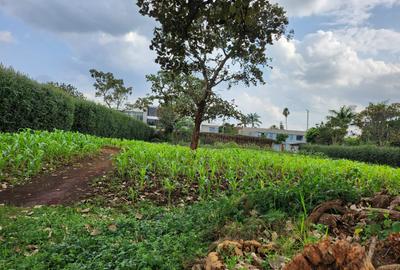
295	137
148	116
210	128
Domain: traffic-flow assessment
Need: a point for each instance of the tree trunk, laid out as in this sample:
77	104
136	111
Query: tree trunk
197	123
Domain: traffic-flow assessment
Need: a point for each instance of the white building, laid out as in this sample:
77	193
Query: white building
210	128
292	143
148	116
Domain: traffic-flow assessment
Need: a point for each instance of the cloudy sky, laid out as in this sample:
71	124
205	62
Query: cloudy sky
344	52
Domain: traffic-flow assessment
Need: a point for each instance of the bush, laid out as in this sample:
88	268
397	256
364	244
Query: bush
98	120
25	103
365	153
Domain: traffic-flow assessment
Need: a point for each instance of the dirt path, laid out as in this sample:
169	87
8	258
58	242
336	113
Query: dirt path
65	185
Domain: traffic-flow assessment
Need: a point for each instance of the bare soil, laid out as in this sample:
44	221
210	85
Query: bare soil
66	185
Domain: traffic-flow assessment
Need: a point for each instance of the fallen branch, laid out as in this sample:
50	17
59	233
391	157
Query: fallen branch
393	214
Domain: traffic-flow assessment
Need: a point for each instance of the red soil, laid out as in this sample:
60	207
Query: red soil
67	184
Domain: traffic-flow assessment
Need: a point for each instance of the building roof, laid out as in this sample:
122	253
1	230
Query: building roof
273	130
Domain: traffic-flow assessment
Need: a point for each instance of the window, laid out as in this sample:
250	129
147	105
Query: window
213	129
299	137
152	122
152	111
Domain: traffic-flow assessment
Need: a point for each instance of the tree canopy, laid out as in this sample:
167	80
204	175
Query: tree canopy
217	41
112	90
181	94
69	89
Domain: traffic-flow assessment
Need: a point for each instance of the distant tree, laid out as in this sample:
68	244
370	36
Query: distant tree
167	118
210	39
244	120
112	90
69	89
281	126
181	94
286	114
379	123
281	138
227	128
254	120
339	122
273	127
312	135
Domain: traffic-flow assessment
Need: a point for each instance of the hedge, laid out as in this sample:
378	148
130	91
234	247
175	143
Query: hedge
365	153
211	138
25	103
98	120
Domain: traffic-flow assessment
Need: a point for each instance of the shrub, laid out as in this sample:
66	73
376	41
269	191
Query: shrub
211	138
25	103
98	120
365	153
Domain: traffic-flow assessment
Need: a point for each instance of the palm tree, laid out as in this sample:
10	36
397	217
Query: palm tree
254	120
286	114
339	122
343	117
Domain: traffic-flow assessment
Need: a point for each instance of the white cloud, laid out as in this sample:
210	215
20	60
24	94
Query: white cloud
6	37
353	12
367	40
72	16
323	71
127	52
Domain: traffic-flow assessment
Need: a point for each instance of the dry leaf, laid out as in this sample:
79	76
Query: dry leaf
95	232
49	230
86	210
274	236
112	227
32	250
138	216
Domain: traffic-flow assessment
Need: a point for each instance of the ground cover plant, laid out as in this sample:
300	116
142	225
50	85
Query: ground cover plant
29	152
142	216
177	172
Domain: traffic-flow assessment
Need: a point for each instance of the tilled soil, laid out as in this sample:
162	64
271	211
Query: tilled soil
66	185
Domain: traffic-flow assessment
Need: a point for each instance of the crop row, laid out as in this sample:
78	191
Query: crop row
26	153
177	168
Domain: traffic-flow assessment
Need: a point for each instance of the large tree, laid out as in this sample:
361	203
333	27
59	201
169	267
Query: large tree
218	41
379	123
112	90
179	95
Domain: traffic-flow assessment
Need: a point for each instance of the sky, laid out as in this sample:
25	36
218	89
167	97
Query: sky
344	52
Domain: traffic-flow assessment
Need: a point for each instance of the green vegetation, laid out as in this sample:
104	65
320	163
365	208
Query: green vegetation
239	193
365	153
221	41
25	103
29	152
234	170
141	237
